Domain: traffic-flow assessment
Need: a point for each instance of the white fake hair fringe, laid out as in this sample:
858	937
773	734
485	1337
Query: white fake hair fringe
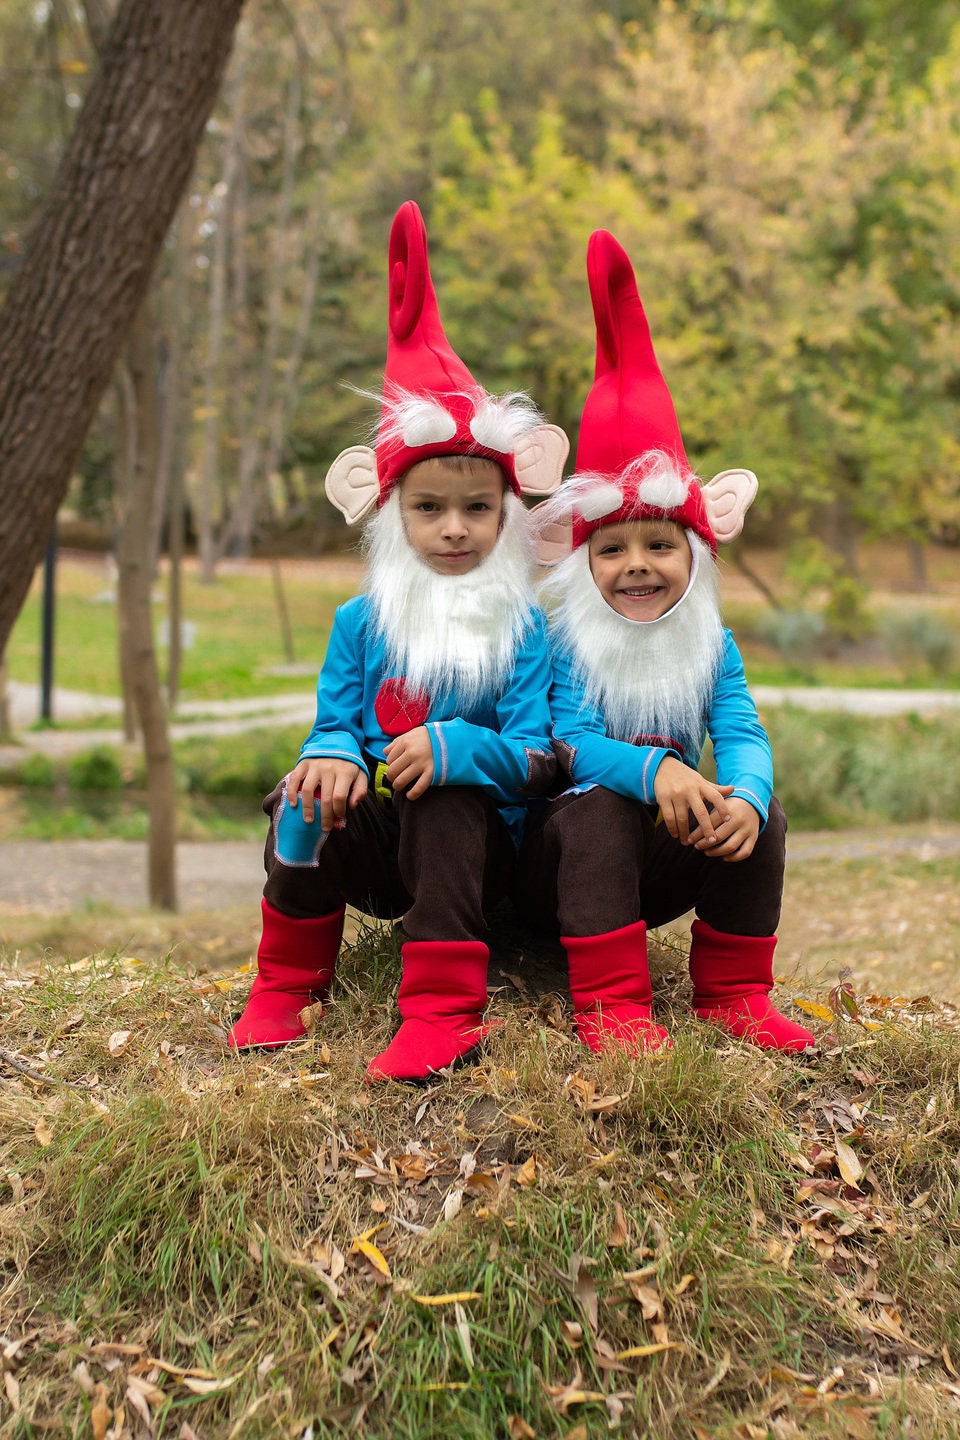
654	467
498	420
451	634
652	677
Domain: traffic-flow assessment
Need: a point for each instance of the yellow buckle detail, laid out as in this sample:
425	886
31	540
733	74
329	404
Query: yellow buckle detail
381	785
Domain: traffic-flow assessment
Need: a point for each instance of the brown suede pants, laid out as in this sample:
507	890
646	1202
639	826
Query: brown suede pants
597	861
437	861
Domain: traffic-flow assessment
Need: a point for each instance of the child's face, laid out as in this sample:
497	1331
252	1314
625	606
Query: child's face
640	567
452	515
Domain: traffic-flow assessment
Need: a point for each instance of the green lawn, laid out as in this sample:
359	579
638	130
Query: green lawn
235	625
237	638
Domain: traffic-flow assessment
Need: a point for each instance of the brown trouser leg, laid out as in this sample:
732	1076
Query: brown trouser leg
437	861
595	862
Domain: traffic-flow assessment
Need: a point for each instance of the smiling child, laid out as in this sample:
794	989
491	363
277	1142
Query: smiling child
643	672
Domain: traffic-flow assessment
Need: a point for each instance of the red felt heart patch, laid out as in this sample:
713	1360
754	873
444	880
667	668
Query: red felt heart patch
400	707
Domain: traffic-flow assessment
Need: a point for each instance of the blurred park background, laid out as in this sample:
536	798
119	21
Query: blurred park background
786	177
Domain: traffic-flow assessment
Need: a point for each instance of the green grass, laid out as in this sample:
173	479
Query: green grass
238	636
199	1212
237	632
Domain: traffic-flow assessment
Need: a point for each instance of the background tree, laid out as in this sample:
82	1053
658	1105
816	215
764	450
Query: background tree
89	257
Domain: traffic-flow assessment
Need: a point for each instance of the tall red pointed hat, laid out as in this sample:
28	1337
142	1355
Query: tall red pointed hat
629	411
432	405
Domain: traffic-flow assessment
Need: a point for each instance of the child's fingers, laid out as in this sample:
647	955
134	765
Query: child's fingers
420	786
358	789
404	775
681	818
307	799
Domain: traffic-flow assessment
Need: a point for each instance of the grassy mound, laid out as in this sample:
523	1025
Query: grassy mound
711	1243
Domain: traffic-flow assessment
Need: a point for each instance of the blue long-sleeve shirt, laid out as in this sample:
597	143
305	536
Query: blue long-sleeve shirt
500	742
592	757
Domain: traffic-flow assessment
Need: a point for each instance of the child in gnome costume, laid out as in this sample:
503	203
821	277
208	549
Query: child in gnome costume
432	722
643	671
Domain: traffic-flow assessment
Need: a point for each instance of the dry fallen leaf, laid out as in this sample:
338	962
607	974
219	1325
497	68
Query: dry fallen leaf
42	1133
208	1387
651	1305
519	1429
101	1414
12	1387
636	1352
848	1164
585	1290
455	1298
152	1393
118	1042
810	1007
376	1257
619	1235
527	1174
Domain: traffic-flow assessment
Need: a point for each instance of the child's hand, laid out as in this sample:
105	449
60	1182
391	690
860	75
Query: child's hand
410	762
735	838
341	783
679	790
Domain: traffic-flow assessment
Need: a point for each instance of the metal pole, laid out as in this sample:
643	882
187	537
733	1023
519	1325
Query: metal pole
46	639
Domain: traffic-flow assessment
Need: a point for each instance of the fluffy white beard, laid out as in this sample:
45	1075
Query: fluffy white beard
450	633
649	677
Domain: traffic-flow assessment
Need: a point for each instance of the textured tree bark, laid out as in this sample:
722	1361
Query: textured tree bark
134	584
89	259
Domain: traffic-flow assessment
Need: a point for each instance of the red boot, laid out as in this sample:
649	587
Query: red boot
443	991
295	965
732	978
610	989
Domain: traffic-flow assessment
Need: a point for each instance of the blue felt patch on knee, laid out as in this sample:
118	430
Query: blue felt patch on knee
294	841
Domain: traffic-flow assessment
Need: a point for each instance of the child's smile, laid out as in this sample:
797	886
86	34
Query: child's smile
640	567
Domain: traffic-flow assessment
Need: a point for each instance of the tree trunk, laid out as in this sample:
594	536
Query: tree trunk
209	489
4	702
134	584
88	261
172	450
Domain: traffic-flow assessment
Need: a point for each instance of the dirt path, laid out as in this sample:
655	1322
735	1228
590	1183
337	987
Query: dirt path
883	902
57	876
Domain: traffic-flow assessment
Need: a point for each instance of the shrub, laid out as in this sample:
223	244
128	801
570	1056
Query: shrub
794	634
917	638
95	769
36	771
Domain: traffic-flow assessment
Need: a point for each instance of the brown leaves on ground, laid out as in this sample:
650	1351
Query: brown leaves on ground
377	1182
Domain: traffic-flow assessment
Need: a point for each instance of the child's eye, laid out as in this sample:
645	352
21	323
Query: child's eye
611	550
427	507
480	505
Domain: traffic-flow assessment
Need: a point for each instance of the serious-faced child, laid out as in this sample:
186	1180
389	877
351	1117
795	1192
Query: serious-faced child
432	723
643	672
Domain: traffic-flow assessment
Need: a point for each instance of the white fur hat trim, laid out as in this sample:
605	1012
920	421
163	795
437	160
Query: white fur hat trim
603	500
663	492
417	422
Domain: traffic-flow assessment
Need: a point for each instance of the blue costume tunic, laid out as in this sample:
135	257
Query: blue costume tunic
500	743
592	757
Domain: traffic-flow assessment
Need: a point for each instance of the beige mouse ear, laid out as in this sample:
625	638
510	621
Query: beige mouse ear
727	498
539	457
554	541
352	483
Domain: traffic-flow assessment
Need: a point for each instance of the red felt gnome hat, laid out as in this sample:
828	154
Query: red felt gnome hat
431	404
629	411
